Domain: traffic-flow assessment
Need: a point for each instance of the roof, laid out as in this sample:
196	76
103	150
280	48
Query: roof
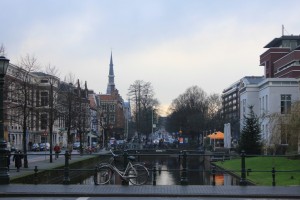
276	42
107	97
254	79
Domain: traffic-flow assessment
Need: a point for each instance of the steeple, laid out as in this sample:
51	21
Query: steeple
111	77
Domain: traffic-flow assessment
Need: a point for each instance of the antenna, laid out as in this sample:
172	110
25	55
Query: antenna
284	30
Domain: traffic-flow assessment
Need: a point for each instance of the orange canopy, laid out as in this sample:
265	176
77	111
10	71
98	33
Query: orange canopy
216	136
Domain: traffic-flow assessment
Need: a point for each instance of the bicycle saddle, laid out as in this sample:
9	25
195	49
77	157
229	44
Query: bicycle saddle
131	158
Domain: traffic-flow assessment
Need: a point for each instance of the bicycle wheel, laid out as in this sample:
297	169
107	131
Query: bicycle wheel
137	174
103	175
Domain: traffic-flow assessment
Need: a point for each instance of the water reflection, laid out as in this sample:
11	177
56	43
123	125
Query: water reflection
169	172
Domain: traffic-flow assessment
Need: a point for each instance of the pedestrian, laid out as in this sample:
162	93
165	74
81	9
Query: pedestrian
57	151
8	159
18	156
70	149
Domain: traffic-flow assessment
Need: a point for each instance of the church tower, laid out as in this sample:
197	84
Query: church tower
111	77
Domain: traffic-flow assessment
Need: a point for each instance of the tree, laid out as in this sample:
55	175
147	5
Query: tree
189	112
285	130
53	107
250	140
2	50
67	105
141	95
21	90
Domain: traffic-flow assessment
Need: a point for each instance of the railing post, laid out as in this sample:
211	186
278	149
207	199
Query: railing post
273	176
125	156
154	175
35	175
243	181
184	180
66	180
95	175
213	172
138	156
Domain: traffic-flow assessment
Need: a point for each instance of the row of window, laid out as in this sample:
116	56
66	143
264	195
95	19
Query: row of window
285	104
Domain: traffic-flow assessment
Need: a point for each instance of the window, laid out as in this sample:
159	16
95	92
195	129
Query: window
44	99
44	120
44	81
285	103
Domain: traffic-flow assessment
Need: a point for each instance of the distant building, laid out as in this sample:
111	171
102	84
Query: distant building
112	108
282	59
231	103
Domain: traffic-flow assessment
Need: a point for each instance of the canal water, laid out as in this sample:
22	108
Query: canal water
169	172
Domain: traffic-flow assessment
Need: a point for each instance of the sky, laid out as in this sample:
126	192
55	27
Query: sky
173	44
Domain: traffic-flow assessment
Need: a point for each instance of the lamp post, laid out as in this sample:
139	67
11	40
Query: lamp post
153	109
4	176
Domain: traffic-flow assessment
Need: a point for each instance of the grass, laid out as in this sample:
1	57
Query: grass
287	170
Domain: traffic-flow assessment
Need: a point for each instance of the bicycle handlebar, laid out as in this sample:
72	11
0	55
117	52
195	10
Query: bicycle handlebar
114	155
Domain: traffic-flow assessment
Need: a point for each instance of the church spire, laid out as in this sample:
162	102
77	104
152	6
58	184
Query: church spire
111	77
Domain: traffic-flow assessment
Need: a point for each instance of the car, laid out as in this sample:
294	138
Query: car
44	146
35	147
76	145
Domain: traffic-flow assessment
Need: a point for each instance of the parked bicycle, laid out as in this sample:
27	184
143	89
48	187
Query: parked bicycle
135	173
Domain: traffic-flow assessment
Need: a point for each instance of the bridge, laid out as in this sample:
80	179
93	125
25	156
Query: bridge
164	191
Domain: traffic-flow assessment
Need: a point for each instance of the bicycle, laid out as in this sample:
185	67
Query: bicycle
137	173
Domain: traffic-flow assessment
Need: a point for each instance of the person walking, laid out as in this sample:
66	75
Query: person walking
18	156
57	151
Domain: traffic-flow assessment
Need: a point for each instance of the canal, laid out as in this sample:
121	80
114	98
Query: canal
169	171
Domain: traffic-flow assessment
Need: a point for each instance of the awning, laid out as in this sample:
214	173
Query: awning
216	136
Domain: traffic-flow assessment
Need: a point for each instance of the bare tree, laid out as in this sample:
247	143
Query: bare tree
189	112
67	104
143	98
285	130
52	77
22	90
2	50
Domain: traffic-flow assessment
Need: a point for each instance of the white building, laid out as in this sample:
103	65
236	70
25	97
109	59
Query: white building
269	96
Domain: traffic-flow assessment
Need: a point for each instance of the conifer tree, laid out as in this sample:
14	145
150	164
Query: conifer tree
250	140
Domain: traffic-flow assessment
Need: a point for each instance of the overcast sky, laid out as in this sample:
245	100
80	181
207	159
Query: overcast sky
174	44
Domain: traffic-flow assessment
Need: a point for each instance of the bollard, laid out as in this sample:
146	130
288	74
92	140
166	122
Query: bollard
66	180
273	176
184	180
125	157
35	175
154	175
243	181
213	172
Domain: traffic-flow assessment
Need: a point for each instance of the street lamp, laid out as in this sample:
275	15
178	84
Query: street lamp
153	109
4	176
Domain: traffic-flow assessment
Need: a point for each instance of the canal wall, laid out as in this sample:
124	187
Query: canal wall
77	170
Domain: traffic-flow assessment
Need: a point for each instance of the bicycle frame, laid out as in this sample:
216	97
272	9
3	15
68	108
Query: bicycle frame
115	169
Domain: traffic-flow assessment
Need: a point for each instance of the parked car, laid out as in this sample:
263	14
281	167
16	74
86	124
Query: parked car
44	146
76	145
35	147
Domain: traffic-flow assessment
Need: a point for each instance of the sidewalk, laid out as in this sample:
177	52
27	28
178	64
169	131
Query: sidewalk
44	163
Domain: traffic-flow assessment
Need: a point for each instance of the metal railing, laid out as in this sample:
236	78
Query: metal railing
182	156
